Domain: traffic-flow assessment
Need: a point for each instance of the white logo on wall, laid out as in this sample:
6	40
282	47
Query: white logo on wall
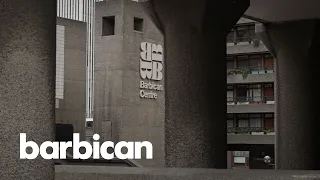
151	66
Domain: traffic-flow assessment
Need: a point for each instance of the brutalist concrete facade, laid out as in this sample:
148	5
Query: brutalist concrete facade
245	49
120	113
71	70
249	138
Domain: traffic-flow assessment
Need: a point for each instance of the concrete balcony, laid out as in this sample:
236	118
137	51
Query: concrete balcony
245	47
247	107
253	77
251	135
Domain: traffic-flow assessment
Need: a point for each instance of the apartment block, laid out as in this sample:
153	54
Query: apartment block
250	98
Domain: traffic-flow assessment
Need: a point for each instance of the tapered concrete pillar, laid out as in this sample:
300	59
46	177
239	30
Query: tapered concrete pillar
296	46
195	67
27	84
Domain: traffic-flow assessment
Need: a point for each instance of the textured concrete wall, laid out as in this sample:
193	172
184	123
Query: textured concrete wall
27	84
123	173
120	113
71	108
251	139
195	49
296	47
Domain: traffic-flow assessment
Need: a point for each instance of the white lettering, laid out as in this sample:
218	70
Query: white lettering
77	145
133	149
139	145
24	145
130	148
55	150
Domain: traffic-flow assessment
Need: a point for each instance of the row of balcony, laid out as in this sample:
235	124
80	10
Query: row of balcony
251	130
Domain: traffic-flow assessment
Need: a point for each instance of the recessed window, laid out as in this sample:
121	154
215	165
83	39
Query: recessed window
138	24
89	124
108	26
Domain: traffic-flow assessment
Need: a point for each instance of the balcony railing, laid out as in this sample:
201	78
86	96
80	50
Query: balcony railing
251	70
250	100
237	40
250	130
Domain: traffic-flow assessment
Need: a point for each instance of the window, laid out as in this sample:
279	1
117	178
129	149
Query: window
230	37
108	26
243	61
268	62
243	123
138	24
89	124
230	120
269	120
249	120
248	93
268	92
230	123
255	92
243	120
252	32
255	62
242	93
230	62
255	120
242	34
230	97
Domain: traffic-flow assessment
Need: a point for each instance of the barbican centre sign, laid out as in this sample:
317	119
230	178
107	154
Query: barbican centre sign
151	66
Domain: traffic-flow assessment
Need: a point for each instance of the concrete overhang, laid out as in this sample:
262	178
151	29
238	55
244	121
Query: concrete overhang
270	11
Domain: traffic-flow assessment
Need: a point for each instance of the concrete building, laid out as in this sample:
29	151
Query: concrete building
125	110
250	97
71	74
195	112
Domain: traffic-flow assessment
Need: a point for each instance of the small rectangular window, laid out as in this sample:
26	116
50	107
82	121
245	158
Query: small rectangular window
138	24
108	26
89	124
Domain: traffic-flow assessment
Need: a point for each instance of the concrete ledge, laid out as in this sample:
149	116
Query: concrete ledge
251	108
252	78
124	173
250	139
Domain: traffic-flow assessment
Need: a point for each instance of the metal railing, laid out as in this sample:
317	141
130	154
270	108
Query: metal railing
250	100
236	40
250	130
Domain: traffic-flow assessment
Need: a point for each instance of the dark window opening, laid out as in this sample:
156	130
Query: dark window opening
108	26
268	62
243	61
268	92
245	33
138	24
255	62
242	93
230	62
269	120
89	124
230	37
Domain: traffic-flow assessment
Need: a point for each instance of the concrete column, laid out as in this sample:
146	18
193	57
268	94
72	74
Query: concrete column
296	47
195	77
27	84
